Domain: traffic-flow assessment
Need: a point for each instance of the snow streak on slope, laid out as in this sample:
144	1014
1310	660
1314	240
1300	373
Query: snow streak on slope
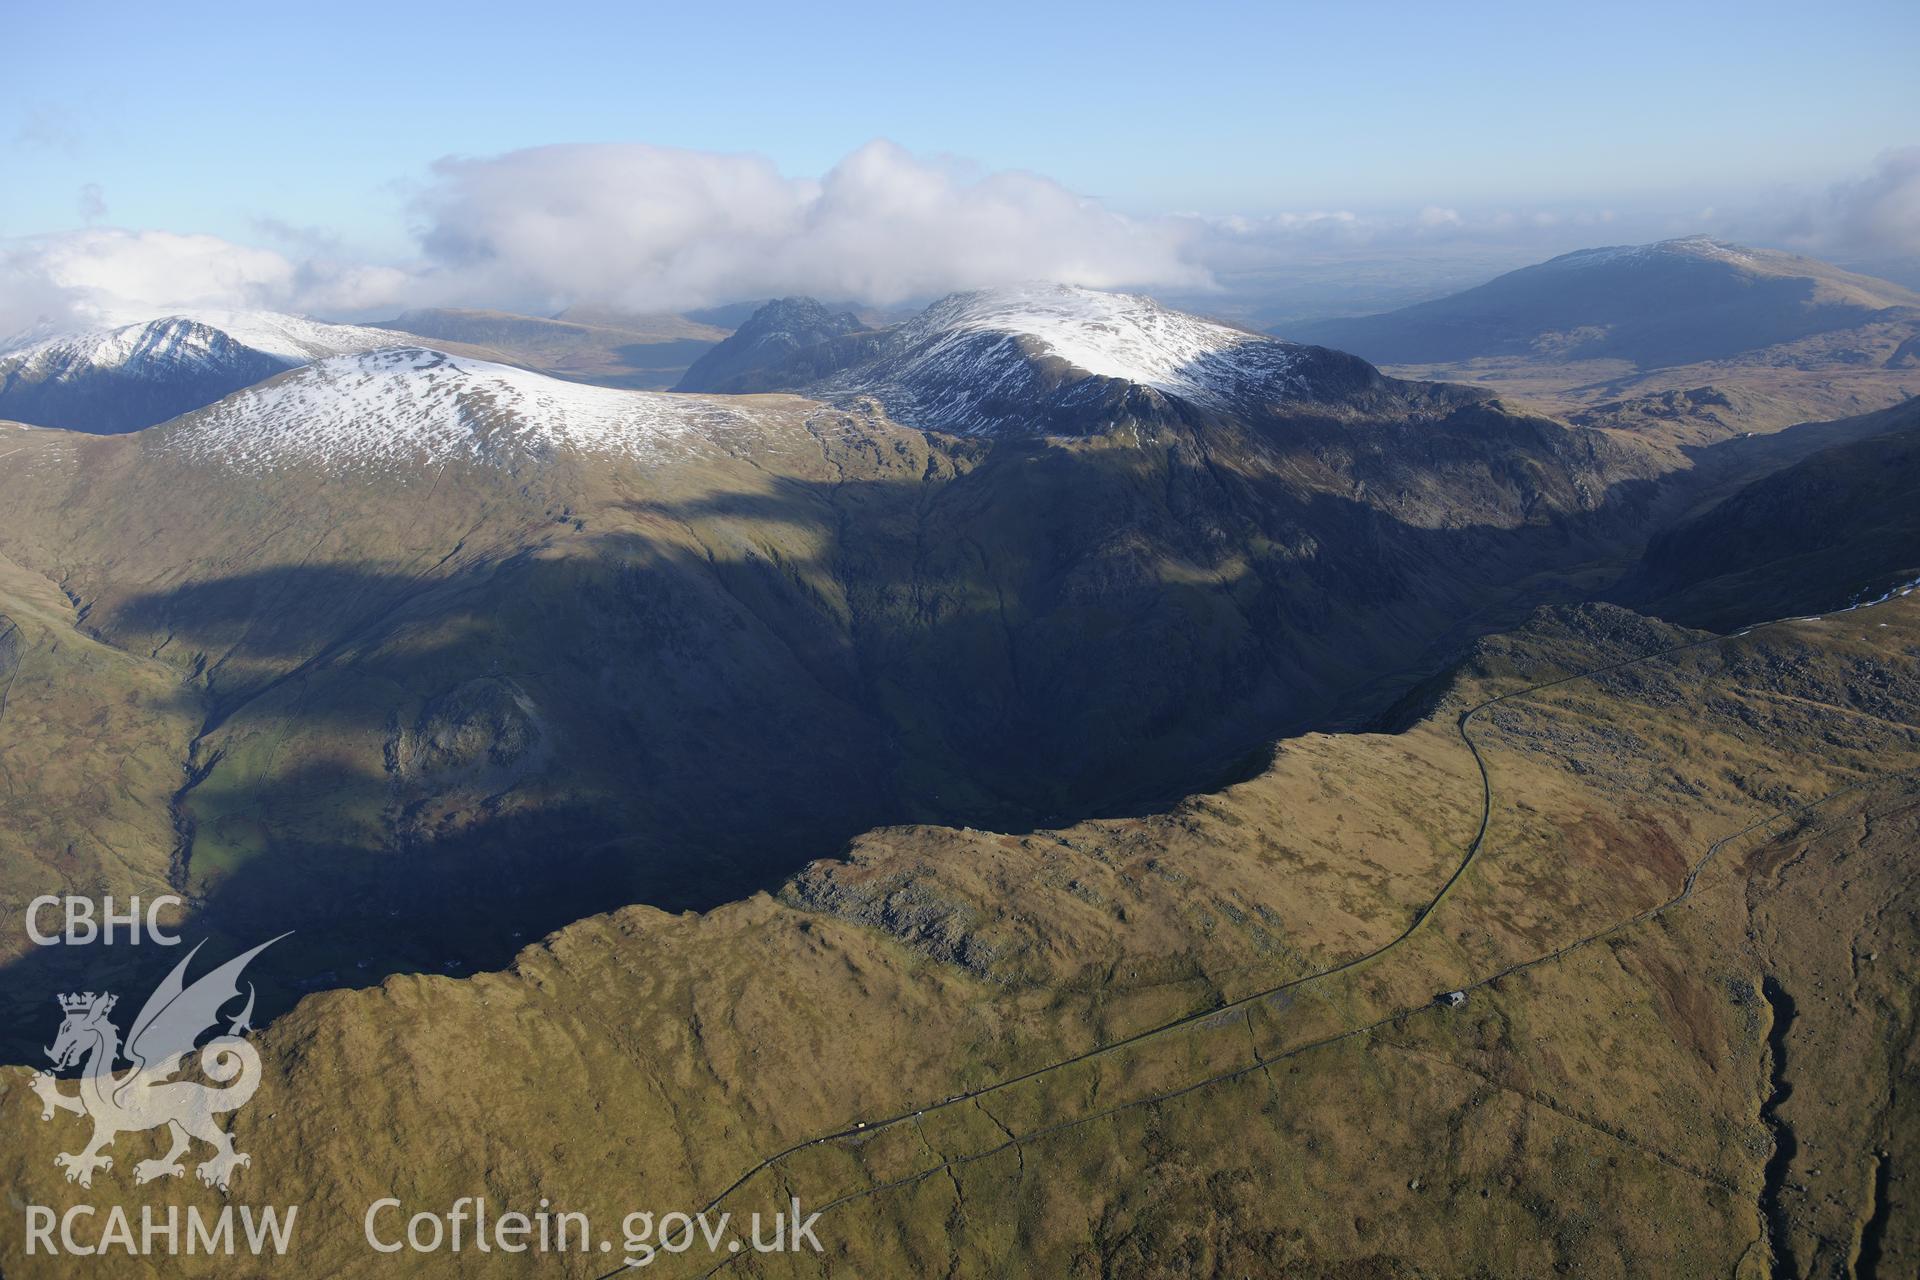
408	405
111	381
963	362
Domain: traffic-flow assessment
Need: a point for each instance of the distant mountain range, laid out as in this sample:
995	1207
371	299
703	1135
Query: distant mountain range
1673	303
1046	359
1053	732
1036	551
507	609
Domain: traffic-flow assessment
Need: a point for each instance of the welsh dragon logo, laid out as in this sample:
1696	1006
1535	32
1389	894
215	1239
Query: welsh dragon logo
145	1095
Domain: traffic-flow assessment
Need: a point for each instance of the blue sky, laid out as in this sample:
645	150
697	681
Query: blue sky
234	120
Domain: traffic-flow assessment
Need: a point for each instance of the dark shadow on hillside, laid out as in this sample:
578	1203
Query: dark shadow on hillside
461	762
356	917
1832	525
1657	315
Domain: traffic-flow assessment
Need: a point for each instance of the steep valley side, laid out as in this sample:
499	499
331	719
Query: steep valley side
445	706
1595	1101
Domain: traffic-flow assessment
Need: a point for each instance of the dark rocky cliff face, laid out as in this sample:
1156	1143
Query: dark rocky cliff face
765	353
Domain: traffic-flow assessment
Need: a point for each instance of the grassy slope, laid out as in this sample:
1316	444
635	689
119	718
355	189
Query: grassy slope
1599	1110
645	1059
418	687
91	741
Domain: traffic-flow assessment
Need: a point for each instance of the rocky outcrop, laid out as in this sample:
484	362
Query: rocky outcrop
784	344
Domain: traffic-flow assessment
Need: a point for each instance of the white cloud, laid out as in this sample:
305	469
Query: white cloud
1231	246
1873	218
641	227
1881	212
107	275
658	228
655	228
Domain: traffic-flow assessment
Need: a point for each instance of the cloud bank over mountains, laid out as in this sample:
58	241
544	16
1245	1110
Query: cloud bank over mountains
110	275
631	226
648	228
651	227
1879	214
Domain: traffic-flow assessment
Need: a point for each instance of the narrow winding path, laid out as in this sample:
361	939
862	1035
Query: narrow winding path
1211	1015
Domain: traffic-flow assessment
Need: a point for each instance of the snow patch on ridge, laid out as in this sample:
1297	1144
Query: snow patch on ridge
968	363
1112	335
1684	247
198	338
407	405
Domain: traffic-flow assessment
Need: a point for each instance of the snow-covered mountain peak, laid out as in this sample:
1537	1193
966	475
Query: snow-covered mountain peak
1109	335
199	336
135	375
1063	359
409	405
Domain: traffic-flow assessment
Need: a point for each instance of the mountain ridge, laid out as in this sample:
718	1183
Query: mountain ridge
1673	302
1829	529
127	377
479	620
401	404
1051	359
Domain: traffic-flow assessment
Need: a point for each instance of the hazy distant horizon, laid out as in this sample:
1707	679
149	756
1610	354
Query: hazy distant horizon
658	161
